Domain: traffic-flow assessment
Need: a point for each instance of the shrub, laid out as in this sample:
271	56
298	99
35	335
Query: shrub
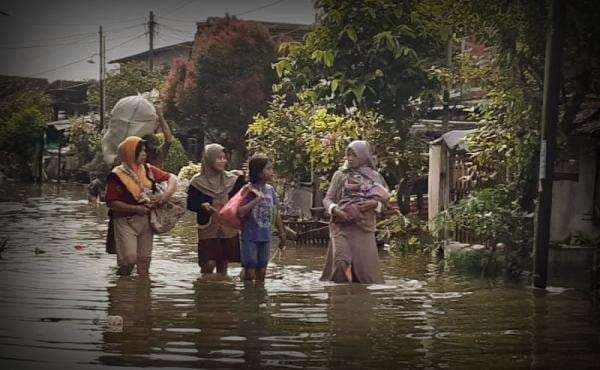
85	139
176	158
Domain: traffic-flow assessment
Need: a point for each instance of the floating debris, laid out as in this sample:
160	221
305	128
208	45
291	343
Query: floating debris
3	246
38	251
114	324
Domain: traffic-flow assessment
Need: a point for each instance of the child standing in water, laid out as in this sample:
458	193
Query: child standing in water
257	213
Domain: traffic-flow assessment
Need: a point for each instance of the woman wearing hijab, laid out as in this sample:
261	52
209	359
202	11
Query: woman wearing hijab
130	195
356	193
208	192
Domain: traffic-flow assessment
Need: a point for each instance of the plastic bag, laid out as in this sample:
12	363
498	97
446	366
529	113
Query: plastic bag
131	116
228	215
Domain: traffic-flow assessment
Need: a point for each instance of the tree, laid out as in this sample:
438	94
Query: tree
512	76
301	137
22	118
85	139
176	158
372	56
20	135
227	83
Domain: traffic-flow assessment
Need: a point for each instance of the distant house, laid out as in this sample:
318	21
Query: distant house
164	56
447	157
67	98
576	187
279	31
10	85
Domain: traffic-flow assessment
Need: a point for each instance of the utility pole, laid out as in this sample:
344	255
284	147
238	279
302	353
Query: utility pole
151	27
101	79
552	78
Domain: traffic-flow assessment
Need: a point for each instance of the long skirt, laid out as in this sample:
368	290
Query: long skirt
350	245
219	250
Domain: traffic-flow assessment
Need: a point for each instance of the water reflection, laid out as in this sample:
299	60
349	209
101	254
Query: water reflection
55	307
130	301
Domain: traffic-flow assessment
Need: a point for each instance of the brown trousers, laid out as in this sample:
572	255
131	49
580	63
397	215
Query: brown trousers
133	237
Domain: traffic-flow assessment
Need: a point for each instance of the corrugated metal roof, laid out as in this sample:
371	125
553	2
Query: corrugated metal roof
60	125
454	139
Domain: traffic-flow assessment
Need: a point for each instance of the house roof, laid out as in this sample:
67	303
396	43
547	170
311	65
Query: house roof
60	125
11	85
182	45
295	31
454	140
434	127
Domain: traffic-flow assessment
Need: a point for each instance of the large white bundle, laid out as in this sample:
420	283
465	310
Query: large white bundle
131	116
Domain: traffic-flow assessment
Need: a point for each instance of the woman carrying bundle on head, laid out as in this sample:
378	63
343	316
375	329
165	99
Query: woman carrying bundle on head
130	195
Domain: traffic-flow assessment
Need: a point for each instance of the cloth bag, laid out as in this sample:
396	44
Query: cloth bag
164	218
228	215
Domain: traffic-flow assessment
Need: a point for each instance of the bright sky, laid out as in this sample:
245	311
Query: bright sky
56	39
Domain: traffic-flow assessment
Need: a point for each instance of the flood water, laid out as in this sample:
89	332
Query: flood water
54	306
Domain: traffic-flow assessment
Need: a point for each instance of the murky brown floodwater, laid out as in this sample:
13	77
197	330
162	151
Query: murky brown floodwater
54	305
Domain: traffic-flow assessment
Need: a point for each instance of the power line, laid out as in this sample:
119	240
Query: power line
66	41
128	40
62	66
182	5
259	8
174	39
178	20
82	24
186	20
55	51
178	37
71	36
86	57
173	29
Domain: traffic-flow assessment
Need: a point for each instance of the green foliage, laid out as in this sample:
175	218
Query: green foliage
188	171
20	135
585	240
371	57
405	232
22	118
512	74
492	215
86	140
506	140
129	79
177	157
302	136
477	262
21	132
279	135
24	100
367	54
